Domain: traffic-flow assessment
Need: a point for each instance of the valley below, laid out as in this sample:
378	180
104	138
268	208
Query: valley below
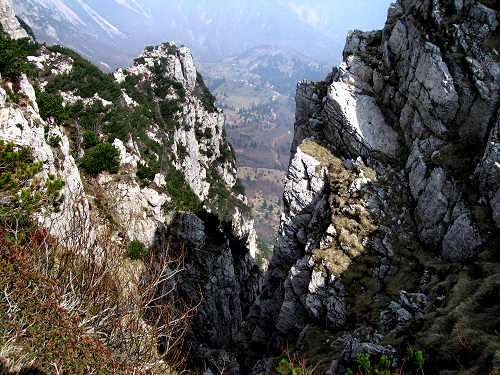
256	91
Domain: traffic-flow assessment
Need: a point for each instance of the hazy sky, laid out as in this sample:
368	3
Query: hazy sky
213	29
308	25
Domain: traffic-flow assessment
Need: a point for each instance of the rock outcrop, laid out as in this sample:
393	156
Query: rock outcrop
10	24
393	184
172	158
222	276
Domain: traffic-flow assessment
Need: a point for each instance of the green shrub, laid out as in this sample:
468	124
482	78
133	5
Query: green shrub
208	133
238	187
22	193
181	151
137	250
226	153
168	108
171	48
85	78
26	27
54	141
139	61
50	106
102	157
181	193
221	201
13	55
145	173
264	253
90	139
199	134
203	93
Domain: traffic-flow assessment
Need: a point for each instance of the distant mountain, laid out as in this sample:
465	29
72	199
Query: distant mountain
256	90
112	32
264	68
83	26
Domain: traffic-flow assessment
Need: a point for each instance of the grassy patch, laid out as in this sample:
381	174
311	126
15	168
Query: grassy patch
352	222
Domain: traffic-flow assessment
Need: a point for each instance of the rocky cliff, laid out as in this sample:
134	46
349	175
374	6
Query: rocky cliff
389	235
390	230
174	181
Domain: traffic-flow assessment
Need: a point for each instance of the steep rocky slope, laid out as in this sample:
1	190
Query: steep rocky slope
174	182
390	233
389	236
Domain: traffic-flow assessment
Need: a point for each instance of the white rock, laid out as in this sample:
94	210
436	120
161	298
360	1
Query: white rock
125	157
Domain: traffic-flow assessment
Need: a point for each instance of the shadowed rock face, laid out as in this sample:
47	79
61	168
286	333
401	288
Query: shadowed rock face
393	182
220	276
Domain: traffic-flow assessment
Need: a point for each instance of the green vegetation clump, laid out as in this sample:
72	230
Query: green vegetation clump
54	141
164	83
171	48
139	61
220	200
22	193
136	250
86	79
298	365
182	195
181	151
13	55
90	139
50	106
226	153
145	174
203	93
238	187
208	133
223	203
102	157
264	254
168	108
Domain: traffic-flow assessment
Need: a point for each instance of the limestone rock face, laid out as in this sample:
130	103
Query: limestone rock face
197	139
183	143
403	179
21	124
9	22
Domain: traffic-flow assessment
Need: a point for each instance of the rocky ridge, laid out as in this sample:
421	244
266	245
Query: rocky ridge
391	200
160	117
391	218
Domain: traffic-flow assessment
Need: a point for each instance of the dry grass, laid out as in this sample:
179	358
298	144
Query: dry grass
64	309
350	218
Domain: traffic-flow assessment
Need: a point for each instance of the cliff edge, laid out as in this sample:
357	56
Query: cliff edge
390	230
